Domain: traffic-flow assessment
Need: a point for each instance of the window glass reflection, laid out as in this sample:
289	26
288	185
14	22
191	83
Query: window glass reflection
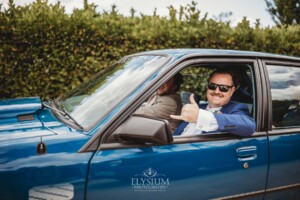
285	90
92	101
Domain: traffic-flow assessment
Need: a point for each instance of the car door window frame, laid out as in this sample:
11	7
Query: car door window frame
206	137
271	129
171	72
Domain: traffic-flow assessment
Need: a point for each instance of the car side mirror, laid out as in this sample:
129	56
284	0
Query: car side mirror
142	129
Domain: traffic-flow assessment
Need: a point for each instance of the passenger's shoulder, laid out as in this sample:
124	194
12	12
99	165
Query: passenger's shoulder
172	98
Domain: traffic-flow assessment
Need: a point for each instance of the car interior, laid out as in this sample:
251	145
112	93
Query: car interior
192	75
195	81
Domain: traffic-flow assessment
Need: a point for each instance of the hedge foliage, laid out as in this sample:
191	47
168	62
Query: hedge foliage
45	52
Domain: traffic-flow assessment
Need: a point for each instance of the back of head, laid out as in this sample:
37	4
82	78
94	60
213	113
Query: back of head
178	80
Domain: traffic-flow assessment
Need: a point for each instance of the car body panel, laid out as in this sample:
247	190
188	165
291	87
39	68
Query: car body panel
23	168
19	113
13	107
75	163
197	169
284	175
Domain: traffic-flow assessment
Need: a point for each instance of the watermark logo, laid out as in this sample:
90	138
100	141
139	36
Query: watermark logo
150	181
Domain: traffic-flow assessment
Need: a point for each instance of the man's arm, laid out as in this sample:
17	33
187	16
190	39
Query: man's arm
234	120
237	121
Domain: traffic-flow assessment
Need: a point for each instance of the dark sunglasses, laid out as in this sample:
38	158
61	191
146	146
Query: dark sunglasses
222	88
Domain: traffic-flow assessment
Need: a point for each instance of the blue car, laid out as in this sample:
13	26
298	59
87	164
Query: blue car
89	144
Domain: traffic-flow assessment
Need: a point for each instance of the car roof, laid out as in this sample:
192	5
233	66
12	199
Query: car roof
180	53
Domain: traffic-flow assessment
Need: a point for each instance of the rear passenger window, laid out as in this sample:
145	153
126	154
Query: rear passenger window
285	90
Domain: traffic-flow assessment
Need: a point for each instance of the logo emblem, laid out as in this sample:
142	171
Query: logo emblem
149	172
150	181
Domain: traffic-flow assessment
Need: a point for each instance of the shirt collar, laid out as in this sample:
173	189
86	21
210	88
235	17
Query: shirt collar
213	110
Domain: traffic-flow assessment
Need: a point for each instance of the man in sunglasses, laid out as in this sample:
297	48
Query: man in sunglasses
220	114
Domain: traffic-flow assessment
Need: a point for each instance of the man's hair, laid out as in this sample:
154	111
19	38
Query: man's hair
226	71
178	80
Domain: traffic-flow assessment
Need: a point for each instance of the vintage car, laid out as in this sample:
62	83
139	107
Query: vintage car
89	144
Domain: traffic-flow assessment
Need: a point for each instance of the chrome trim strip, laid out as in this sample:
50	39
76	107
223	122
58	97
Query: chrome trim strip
244	195
286	187
259	192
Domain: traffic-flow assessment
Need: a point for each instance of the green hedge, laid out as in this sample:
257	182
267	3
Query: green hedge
46	52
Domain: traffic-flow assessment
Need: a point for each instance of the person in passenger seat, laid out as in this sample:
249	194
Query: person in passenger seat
220	114
243	87
165	102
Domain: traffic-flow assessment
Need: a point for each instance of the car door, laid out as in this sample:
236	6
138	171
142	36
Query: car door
284	134
211	166
192	170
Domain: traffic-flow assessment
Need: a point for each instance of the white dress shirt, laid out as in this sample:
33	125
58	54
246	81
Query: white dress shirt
206	121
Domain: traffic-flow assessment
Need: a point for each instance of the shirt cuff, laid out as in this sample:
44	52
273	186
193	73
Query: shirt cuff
206	121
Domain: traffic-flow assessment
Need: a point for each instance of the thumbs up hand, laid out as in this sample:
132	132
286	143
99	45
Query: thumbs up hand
189	112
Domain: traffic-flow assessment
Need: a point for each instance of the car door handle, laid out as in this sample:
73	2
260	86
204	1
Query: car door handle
246	153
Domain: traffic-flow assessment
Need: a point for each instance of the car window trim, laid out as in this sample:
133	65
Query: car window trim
183	140
99	138
93	143
264	63
188	63
284	130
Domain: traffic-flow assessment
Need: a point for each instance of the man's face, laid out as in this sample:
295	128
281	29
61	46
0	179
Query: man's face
216	98
167	88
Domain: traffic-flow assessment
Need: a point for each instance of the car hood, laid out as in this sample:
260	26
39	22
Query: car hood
25	118
11	108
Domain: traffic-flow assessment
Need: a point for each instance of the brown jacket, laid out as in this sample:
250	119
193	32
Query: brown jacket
162	107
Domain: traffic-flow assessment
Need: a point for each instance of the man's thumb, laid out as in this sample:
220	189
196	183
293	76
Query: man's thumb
192	100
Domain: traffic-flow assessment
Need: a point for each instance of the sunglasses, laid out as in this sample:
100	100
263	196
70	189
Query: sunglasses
222	88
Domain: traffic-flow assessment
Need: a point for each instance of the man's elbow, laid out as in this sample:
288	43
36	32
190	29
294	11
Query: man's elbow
247	130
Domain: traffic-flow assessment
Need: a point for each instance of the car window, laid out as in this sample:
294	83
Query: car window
196	78
91	102
285	91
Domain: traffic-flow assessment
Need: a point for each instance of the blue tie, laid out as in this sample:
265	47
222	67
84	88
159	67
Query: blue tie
180	128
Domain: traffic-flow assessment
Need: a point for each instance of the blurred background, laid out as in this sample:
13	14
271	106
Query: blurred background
49	47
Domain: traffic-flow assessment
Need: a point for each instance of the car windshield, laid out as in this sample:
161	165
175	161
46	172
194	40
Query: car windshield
94	99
